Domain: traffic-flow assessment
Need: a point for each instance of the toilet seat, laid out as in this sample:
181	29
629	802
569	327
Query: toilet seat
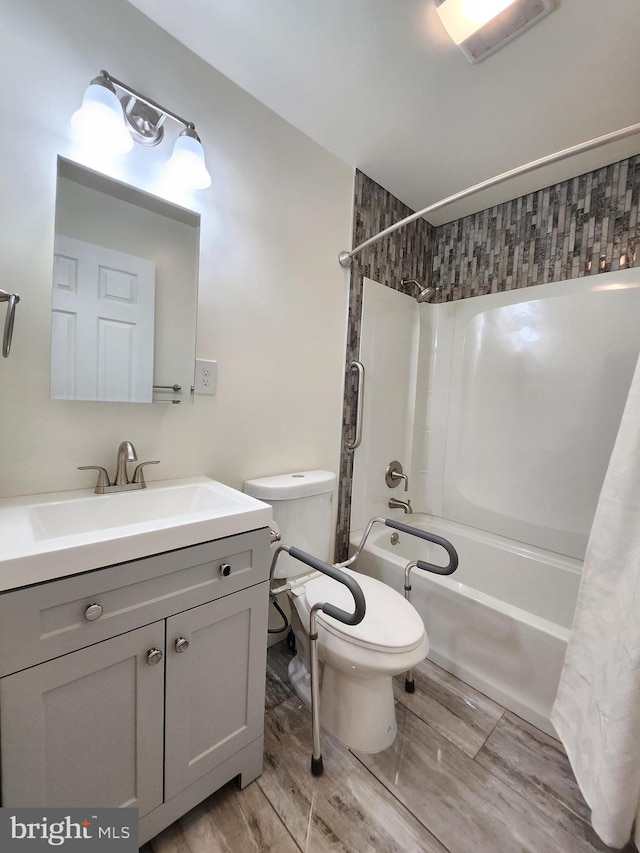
391	624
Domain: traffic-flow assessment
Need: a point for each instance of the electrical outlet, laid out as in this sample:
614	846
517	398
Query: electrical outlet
206	377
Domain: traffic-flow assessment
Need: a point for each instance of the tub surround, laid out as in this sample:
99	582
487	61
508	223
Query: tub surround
501	408
579	227
518	405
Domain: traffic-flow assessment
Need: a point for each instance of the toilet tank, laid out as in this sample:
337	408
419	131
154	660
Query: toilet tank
302	506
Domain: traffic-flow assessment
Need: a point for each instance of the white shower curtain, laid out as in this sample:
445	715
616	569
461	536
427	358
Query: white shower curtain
597	709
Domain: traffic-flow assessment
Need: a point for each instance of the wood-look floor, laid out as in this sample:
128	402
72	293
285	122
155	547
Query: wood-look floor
464	776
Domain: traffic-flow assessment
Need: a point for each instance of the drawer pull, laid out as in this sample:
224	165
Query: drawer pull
94	611
154	656
225	570
182	644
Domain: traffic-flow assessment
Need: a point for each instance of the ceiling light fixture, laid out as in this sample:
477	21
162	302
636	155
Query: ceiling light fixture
106	122
480	27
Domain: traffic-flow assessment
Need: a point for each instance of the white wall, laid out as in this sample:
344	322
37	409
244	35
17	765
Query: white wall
273	298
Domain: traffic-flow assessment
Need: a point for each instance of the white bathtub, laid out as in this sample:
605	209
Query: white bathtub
500	622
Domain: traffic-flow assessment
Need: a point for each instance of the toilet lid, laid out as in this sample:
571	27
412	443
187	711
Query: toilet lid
390	621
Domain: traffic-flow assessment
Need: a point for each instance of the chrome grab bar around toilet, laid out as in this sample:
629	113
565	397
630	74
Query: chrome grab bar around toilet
409	684
331	610
353	444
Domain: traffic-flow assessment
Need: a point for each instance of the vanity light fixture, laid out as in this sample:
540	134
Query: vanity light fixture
99	121
108	122
480	27
186	165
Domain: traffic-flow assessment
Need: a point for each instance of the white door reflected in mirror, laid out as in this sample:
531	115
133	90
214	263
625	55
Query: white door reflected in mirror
102	324
125	292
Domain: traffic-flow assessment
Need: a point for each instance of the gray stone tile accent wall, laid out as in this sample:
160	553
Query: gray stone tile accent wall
579	227
403	255
582	226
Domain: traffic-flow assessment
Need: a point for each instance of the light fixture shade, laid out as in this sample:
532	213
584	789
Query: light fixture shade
186	167
99	122
481	27
462	18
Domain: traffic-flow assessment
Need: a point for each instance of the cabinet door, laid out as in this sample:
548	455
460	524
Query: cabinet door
215	689
86	729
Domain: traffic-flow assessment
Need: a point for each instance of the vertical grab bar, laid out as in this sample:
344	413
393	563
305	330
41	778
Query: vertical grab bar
350	446
12	299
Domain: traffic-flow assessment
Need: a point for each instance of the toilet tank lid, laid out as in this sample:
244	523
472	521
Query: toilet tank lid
285	487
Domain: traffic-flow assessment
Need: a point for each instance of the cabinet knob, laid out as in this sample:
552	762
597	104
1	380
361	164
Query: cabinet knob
94	611
182	644
225	570
154	656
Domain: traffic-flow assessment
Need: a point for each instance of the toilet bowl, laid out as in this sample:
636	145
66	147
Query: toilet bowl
357	663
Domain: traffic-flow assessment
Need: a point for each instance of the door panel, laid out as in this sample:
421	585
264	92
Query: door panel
102	323
215	689
86	729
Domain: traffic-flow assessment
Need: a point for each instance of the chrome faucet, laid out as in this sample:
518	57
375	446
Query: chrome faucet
404	505
126	453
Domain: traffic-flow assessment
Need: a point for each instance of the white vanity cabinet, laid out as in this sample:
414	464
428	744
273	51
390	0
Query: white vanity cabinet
140	684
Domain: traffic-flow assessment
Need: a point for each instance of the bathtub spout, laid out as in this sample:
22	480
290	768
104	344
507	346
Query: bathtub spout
404	505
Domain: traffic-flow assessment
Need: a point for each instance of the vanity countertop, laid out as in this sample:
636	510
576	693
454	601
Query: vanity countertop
49	536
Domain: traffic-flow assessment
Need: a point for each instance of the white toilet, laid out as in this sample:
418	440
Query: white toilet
357	662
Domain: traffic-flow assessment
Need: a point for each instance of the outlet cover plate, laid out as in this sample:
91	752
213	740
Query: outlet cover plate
206	377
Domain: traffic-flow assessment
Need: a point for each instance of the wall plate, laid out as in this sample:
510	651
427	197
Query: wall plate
206	377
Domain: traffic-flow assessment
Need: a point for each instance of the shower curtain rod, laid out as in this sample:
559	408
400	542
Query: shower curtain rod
345	257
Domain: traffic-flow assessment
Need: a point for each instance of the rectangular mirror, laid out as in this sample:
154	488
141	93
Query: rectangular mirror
125	290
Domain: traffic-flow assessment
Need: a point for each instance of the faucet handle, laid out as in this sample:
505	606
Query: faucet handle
394	473
138	474
103	477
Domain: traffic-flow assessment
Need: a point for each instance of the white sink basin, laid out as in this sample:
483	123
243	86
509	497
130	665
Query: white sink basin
53	535
120	509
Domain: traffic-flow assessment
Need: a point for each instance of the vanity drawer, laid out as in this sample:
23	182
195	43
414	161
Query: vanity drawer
41	622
